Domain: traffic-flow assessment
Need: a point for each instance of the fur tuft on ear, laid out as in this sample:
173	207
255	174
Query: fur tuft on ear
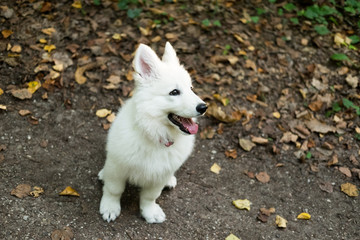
169	55
146	62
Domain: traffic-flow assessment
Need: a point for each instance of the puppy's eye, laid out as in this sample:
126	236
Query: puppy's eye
174	92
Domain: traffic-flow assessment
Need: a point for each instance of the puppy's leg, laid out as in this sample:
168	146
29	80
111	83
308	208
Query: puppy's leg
171	182
114	186
150	210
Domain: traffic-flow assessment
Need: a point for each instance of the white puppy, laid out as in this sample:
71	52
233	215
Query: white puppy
152	135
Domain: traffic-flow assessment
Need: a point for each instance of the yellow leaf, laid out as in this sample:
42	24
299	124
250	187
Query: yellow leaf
350	189
103	112
42	40
225	101
215	168
33	86
242	204
6	33
116	36
3	107
49	48
304	216
49	31
1	91
76	4
232	237
69	191
16	49
111	117
36	191
280	222
276	115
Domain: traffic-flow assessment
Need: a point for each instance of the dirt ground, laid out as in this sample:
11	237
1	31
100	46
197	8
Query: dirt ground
271	66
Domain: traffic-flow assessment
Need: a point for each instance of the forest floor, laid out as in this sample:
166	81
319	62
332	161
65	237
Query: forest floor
281	81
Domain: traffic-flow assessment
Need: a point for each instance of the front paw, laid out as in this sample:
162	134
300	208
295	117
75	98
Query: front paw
171	183
153	214
109	209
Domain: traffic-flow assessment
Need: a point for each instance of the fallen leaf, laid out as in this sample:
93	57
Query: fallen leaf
224	58
246	144
207	133
316	105
304	216
103	112
231	153
215	168
130	75
242	204
232	237
288	137
42	40
265	213
352	81
350	189
76	4
326	187
21	93
69	191
317	126
217	112
24	112
276	115
64	234
334	160
16	49
280	222
345	170
79	73
36	191
21	191
1	92
116	36
111	117
262	177
33	86
259	140
250	64
49	48
225	101
3	107
6	33
48	31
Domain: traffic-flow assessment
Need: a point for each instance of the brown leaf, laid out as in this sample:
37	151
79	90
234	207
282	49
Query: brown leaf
259	140
288	137
231	153
64	234
334	160
36	191
224	58
262	177
326	187
24	112
217	112
316	105
246	144
6	33
354	160
69	191
317	126
345	170
79	73
250	64
207	133
264	214
21	191
21	93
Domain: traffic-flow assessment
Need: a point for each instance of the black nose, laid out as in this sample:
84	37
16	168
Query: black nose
201	108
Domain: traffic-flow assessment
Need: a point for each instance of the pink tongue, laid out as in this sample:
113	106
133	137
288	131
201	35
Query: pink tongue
190	126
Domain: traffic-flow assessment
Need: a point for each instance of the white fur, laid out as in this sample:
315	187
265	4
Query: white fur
136	144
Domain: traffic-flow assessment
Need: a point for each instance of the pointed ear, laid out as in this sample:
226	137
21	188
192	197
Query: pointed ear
169	55
146	62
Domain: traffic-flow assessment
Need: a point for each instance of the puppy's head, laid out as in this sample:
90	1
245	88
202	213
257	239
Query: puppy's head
166	88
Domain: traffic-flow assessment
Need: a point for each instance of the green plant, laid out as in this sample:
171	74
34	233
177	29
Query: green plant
337	107
227	48
321	29
339	57
131	12
207	23
289	7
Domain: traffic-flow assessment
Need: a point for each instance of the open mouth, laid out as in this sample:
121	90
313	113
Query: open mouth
187	125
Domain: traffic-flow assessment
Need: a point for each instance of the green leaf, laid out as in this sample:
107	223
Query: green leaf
260	11
347	103
255	19
357	136
289	7
354	39
336	107
280	12
321	29
339	57
294	20
133	13
217	23
272	1
206	22
97	2
308	155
